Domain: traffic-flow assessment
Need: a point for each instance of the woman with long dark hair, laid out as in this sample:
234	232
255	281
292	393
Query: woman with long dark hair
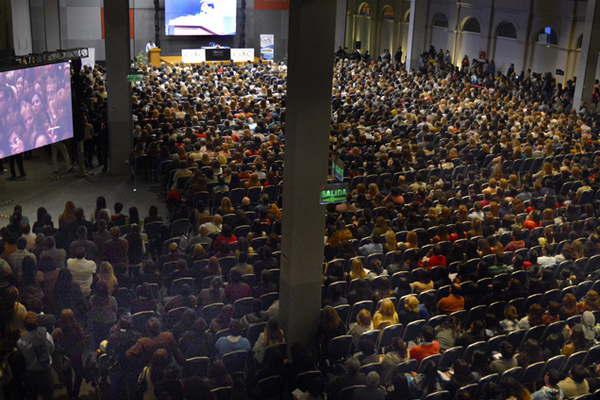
67	294
69	338
103	312
272	335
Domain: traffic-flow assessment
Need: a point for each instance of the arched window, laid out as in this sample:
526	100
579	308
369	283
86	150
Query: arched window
507	30
439	20
364	9
388	12
406	17
471	25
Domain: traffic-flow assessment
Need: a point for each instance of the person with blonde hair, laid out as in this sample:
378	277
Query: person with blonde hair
358	271
390	243
106	274
385	315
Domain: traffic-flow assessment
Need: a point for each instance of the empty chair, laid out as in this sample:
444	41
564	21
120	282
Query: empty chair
407	367
477	313
348	391
448	357
434	358
515	372
196	366
489	378
533	374
310	379
536	332
139	320
516	337
472	390
270	387
574	320
177	284
244	306
235	361
339	347
376	366
472	348
554	328
388	334
593	355
372	336
413	330
440	395
574	359
556	363
180	227
210	311
222	393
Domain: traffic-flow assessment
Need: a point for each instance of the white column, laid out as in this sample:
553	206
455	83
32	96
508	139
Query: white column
588	59
21	27
340	23
310	73
416	33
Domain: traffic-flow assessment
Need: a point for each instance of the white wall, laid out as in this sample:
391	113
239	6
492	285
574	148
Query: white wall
470	44
508	51
21	27
439	38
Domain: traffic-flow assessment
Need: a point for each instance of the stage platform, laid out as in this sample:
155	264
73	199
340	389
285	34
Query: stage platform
176	60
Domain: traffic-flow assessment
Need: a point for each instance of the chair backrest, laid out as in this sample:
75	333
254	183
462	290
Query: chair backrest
413	330
574	359
515	372
222	393
235	361
556	362
270	386
534	373
196	366
388	334
440	395
448	357
339	347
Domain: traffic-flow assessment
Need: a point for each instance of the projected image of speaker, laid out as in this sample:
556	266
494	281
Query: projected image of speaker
35	107
200	17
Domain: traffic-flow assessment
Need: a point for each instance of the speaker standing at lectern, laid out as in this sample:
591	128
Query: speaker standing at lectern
149	46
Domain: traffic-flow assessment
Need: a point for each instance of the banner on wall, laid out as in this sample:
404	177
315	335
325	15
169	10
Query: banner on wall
267	47
271	4
90	60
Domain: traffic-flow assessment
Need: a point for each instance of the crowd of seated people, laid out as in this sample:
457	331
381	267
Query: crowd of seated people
463	264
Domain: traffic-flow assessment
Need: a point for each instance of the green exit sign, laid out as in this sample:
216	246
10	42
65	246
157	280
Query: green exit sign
135	77
333	194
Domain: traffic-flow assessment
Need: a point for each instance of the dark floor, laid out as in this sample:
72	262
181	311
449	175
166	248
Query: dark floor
41	188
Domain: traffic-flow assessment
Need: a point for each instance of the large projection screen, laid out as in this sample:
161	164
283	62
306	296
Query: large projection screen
35	107
200	17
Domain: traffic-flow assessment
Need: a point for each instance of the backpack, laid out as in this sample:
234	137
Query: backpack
39	345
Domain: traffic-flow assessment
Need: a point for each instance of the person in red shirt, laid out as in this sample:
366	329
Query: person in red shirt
236	289
436	258
453	302
429	347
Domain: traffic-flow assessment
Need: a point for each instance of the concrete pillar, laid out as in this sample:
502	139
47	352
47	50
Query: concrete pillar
116	19
588	59
417	31
340	23
52	25
310	73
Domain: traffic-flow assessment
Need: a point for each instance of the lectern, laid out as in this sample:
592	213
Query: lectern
154	57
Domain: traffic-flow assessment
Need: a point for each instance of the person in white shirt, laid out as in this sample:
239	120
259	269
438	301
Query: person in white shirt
83	270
